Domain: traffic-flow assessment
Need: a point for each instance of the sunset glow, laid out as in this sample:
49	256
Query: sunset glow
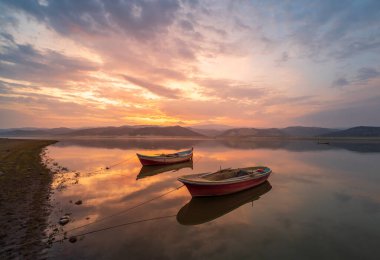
237	63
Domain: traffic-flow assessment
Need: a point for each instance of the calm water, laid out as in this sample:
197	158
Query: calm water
321	202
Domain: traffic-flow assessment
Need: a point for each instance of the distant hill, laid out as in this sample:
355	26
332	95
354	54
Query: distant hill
23	128
177	131
360	131
102	131
302	131
135	131
292	131
207	132
212	127
253	132
164	131
105	131
35	132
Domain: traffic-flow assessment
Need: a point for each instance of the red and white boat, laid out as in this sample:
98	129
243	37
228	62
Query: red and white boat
162	159
225	181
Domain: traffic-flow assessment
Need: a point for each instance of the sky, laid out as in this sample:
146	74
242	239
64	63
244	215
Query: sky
237	63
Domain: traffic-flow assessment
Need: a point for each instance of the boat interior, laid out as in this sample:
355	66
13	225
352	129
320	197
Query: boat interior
233	173
183	153
169	155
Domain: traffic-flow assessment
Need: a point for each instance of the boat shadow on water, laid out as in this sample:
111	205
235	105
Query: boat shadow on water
148	171
200	210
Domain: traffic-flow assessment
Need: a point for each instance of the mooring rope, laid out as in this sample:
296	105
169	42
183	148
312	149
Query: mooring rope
126	210
116	226
107	167
4	249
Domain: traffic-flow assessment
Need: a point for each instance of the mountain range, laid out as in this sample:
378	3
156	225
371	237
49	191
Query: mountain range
203	132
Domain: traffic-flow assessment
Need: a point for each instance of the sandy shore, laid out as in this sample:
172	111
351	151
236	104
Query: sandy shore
24	198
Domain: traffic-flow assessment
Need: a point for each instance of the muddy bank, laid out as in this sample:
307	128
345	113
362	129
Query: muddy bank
24	198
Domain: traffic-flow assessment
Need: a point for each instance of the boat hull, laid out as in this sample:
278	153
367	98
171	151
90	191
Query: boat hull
147	162
201	190
164	160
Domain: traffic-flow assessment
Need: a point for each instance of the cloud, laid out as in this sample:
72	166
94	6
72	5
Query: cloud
284	57
140	19
340	82
165	73
221	49
154	88
24	62
355	47
230	89
323	29
12	118
278	99
7	37
186	25
365	74
202	110
360	112
28	109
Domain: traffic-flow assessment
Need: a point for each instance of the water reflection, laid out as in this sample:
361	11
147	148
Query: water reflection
138	143
305	145
322	196
204	209
272	144
147	171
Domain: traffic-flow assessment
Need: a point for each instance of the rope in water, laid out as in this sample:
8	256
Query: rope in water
126	210
99	220
110	166
116	226
89	232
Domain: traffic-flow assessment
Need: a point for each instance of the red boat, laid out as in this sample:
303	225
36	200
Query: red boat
162	159
225	181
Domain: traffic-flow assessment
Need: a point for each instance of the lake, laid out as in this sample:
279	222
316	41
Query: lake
321	201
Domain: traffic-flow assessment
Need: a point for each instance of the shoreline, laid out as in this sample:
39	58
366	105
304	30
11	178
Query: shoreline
25	184
205	138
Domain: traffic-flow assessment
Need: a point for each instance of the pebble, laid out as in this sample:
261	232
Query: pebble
79	202
73	239
64	220
1	173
